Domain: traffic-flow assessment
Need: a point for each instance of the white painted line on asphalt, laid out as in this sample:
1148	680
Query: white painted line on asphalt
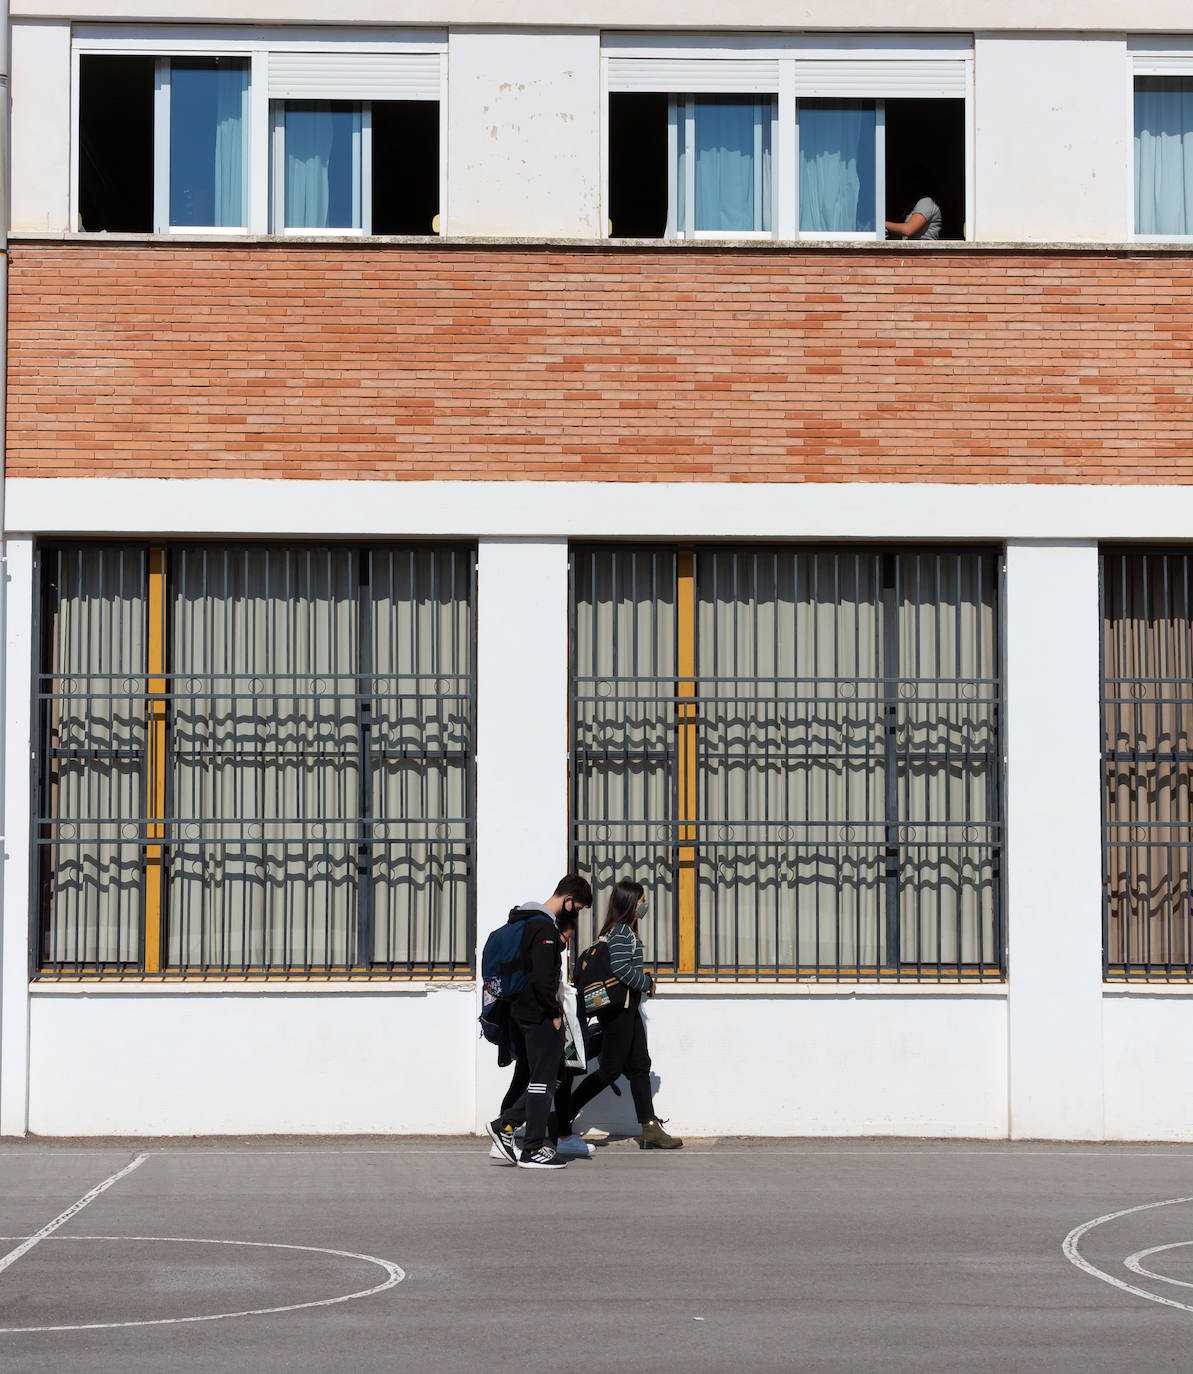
1135	1262
1074	1256
394	1276
73	1210
477	1147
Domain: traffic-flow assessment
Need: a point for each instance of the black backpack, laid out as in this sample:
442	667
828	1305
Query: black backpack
596	988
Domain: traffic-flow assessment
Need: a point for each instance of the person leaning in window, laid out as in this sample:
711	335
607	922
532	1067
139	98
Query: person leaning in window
923	220
623	1046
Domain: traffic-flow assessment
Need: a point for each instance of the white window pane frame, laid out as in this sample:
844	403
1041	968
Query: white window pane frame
1174	60
851	236
362	176
681	197
161	154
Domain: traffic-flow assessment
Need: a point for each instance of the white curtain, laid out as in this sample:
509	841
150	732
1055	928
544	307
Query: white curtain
836	166
1163	155
733	164
323	172
231	85
92	754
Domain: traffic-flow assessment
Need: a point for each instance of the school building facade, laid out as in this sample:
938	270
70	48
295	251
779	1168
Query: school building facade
446	448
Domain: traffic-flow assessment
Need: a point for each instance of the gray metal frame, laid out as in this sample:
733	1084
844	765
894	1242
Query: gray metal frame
629	720
364	719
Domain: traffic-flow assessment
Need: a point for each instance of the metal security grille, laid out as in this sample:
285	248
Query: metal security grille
1147	752
255	761
797	753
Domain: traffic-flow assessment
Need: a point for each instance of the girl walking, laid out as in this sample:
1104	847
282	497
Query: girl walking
623	1046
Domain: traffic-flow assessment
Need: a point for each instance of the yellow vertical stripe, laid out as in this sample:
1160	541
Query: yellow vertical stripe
685	604
156	771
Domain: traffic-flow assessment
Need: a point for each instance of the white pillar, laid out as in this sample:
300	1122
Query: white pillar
522	743
1054	842
15	824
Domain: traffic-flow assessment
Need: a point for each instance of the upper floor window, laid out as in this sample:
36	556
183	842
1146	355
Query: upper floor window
801	140
267	137
1164	156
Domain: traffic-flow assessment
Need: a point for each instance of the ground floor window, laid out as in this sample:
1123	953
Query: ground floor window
255	760
797	752
1147	755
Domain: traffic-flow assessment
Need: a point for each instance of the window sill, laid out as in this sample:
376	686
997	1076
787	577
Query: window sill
1143	989
738	245
242	987
668	991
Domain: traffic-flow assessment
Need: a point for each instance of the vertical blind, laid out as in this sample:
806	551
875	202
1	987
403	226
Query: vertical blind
1147	709
844	738
316	759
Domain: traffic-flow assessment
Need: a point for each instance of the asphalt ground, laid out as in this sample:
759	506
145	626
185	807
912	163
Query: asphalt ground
727	1255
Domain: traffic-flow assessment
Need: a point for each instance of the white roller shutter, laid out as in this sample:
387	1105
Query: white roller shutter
1163	64
864	78
354	76
694	75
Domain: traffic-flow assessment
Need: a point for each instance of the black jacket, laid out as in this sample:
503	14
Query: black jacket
542	954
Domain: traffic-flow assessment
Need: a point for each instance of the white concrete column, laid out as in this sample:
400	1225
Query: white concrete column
1054	842
522	742
15	825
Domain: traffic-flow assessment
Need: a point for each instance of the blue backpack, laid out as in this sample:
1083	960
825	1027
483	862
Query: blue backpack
504	971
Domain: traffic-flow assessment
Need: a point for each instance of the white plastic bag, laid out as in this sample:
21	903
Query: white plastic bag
573	1036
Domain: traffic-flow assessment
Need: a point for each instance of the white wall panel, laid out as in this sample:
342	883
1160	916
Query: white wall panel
524	144
1149	1070
1052	138
41	126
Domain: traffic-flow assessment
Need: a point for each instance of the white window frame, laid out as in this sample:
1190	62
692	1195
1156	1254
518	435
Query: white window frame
683	107
655	56
1151	57
363	170
162	87
163	42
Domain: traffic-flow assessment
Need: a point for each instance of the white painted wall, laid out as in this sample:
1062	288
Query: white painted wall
522	735
1052	137
1149	1069
524	141
1054	841
249	1062
41	126
16	742
1155	16
849	1064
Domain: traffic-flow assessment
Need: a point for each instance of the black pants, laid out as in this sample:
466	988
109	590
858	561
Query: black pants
544	1061
623	1050
561	1119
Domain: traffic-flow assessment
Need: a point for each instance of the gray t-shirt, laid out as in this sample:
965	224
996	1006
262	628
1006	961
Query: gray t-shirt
927	207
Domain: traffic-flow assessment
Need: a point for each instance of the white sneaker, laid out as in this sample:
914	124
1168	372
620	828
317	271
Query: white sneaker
573	1144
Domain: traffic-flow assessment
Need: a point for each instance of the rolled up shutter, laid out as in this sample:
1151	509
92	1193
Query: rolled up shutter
697	75
355	76
866	78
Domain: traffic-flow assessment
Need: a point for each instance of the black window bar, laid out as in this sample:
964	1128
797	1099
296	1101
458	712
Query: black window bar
797	751
255	761
1147	762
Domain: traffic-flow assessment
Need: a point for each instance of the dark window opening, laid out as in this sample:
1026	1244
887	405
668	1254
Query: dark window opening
925	156
116	144
405	166
638	165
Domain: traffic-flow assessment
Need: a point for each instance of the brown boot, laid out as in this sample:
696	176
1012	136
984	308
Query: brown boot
655	1138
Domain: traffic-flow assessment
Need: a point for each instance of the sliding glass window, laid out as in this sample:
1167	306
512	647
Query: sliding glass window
721	167
206	105
1164	156
797	753
255	761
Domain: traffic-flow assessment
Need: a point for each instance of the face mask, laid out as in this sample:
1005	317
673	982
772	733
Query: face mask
640	909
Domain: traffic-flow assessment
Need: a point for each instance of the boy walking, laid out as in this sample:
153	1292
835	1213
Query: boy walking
537	1021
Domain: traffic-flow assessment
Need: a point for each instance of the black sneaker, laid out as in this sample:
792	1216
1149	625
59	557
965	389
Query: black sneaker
503	1140
545	1157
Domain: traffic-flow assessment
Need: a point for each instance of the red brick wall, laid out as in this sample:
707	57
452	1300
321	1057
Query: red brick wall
405	363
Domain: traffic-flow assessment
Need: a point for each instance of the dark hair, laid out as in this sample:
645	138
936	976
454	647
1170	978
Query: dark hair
623	905
573	886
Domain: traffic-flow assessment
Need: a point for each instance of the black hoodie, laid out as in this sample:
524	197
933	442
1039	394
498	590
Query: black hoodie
542	953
